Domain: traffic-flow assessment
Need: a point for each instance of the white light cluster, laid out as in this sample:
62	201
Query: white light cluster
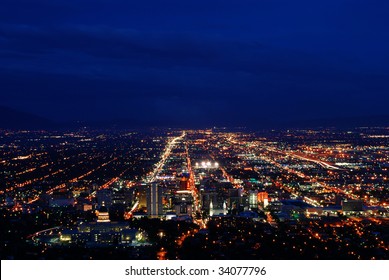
207	164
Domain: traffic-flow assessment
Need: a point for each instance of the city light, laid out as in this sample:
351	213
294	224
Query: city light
171	188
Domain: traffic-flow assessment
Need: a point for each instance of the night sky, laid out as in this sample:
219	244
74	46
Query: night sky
224	62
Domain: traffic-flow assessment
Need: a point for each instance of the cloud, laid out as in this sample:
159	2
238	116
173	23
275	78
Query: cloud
101	41
220	60
151	53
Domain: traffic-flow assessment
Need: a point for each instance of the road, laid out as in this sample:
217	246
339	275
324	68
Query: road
320	162
168	149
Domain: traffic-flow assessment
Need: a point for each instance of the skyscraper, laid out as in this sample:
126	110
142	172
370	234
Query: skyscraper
154	200
253	199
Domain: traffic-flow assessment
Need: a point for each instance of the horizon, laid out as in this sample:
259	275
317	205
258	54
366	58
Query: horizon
16	119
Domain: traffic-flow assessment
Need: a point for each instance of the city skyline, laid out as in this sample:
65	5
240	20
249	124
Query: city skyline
195	194
195	130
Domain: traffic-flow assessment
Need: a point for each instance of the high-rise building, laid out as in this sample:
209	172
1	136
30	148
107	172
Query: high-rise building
253	199
154	200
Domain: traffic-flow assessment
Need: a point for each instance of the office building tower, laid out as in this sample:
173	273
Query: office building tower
154	200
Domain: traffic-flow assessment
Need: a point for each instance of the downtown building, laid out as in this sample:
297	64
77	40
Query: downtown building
155	195
103	232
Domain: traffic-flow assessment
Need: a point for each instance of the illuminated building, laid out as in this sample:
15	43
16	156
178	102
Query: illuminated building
183	203
217	211
253	199
211	209
263	198
141	193
103	215
154	200
102	232
184	183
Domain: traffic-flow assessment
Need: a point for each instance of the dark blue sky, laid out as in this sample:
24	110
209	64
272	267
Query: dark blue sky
215	62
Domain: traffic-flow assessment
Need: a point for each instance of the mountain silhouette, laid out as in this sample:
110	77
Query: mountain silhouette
15	119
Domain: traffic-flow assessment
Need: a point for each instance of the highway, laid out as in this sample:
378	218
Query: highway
320	162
